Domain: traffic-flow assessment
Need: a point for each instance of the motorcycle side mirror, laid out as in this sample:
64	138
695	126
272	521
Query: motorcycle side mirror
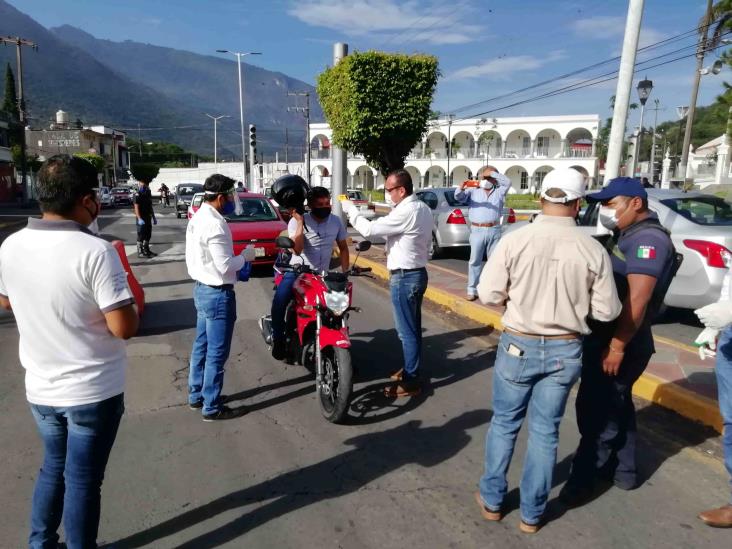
284	242
363	245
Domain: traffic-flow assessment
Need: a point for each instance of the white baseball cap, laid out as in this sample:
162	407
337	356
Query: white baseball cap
568	180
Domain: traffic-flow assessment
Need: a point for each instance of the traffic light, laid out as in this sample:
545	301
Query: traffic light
253	140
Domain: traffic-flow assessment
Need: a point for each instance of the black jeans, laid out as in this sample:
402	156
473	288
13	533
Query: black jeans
606	414
144	232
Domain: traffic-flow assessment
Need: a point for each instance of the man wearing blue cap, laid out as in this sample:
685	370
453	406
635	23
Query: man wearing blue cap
616	353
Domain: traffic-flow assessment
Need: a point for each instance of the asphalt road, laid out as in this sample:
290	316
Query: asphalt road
400	473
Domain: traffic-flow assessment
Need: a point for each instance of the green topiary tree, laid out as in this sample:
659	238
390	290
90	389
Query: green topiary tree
378	104
94	159
144	171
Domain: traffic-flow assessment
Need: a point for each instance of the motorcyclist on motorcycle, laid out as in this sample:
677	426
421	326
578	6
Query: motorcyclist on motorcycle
313	234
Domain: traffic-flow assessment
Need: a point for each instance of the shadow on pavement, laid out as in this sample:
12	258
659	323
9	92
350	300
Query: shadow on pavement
378	354
166	283
165	317
373	455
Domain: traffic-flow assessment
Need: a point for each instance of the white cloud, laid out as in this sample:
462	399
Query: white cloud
435	24
611	27
503	68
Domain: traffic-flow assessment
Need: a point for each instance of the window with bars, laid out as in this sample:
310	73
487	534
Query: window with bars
524	180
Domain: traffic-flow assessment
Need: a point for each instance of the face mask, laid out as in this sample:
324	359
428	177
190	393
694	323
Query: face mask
229	207
96	211
321	213
608	218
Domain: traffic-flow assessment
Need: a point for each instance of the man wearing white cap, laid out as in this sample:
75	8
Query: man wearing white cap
551	277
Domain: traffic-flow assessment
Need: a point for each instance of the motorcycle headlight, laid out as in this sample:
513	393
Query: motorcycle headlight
337	302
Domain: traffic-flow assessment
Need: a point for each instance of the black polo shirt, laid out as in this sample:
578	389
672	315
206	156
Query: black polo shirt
143	199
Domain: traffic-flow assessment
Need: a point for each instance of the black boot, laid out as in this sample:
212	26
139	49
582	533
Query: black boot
146	246
141	251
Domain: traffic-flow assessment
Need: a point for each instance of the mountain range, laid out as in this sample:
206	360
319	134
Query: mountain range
163	91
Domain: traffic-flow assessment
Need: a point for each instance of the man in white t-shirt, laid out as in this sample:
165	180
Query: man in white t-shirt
73	307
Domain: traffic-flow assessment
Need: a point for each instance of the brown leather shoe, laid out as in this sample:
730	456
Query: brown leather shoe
403	389
494	516
398	375
718	518
529	528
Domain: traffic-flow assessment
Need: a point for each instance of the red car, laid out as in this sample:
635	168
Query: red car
259	225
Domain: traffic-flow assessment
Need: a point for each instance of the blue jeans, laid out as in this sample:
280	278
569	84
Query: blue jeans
724	386
539	381
407	290
482	242
216	314
282	297
77	442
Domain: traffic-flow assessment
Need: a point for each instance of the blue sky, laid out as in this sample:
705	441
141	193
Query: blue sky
486	48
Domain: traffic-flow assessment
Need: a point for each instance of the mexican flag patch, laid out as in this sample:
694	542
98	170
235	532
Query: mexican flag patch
646	252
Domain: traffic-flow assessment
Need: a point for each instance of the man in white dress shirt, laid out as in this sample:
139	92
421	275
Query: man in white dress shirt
212	264
408	234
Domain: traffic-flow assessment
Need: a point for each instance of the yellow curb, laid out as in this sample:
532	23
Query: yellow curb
648	386
676	344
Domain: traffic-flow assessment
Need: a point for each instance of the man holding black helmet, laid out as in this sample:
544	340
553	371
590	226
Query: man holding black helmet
313	234
212	264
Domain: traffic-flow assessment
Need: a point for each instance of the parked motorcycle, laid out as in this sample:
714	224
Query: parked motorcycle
316	327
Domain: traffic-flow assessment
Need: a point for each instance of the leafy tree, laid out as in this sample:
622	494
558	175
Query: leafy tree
94	159
378	104
145	171
10	99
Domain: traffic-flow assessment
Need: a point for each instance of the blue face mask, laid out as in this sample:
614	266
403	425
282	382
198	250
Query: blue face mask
228	208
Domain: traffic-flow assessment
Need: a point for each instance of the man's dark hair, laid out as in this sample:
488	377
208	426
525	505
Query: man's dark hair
403	180
62	181
318	192
217	184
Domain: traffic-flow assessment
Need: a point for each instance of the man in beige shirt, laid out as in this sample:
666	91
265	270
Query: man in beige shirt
551	277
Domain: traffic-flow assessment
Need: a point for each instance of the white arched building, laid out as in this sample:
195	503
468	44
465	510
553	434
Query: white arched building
524	148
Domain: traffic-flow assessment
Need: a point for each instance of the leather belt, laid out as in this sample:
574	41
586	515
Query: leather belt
537	336
402	271
222	287
483	224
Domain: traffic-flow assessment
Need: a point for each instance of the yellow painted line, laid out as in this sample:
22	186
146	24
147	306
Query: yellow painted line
648	386
448	271
676	344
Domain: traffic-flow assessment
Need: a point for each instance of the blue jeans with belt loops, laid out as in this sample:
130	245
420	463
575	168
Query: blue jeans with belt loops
407	291
77	442
538	382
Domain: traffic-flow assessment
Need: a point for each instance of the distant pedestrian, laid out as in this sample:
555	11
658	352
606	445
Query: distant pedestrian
145	216
647	184
164	194
212	264
552	277
486	207
408	234
718	316
615	355
73	308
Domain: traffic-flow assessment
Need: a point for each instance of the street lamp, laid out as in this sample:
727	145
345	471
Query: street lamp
239	55
216	148
644	91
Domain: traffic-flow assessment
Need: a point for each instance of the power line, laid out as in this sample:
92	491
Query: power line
650	47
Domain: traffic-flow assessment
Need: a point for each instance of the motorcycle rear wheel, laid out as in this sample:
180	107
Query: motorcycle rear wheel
334	394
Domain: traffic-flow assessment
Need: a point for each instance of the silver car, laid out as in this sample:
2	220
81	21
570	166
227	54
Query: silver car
701	230
452	219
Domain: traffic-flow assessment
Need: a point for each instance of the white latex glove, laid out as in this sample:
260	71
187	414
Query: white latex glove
248	253
349	208
707	343
717	315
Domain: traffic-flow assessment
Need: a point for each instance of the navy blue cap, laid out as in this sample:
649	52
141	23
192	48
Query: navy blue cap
620	186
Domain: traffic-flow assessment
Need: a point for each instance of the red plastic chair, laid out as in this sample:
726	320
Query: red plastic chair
137	291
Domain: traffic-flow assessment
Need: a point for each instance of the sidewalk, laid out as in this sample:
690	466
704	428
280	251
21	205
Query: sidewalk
676	378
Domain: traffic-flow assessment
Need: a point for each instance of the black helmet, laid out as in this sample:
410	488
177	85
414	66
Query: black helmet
290	191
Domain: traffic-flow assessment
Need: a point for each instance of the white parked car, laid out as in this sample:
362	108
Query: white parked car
105	197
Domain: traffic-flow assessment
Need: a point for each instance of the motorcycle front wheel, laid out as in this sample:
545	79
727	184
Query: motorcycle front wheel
334	393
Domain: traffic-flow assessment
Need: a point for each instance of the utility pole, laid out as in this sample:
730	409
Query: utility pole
653	140
19	43
287	146
216	148
339	162
306	112
450	118
700	49
625	83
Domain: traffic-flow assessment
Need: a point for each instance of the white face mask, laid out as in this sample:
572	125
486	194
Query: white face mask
608	218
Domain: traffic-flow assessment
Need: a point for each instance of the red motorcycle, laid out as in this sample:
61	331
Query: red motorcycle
316	327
